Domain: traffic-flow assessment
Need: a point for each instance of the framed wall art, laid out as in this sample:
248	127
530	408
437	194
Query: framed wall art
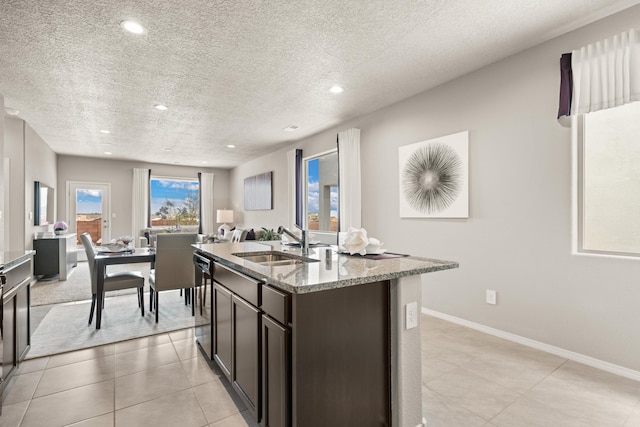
434	177
258	192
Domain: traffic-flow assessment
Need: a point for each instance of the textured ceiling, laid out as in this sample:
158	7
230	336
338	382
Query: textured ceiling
239	71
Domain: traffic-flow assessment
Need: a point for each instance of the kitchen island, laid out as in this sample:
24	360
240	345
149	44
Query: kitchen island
317	339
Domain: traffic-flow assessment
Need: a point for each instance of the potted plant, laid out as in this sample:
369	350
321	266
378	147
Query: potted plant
269	235
60	227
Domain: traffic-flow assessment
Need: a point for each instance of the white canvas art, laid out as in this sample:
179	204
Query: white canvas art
434	178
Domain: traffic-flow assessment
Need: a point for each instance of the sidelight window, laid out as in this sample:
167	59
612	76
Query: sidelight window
609	181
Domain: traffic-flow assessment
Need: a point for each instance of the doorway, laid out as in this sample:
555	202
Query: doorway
89	211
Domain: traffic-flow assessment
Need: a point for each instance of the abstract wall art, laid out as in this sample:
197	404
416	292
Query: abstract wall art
434	178
258	192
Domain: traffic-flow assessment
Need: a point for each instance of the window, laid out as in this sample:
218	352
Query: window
609	178
322	192
175	202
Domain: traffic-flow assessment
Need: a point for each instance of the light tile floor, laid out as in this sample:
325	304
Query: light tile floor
162	380
473	379
469	379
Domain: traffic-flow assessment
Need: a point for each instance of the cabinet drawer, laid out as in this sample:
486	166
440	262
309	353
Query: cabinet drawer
17	274
276	304
245	287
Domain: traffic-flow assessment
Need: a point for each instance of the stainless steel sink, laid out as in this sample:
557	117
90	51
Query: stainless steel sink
274	258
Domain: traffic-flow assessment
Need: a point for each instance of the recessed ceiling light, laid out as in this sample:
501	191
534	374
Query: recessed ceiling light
231	146
106	132
291	128
108	153
11	111
132	26
336	89
168	149
161	107
204	162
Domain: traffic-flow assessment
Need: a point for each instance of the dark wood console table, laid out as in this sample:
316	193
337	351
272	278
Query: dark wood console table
55	256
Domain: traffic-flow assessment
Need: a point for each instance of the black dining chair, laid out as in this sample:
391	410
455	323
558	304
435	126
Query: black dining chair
112	281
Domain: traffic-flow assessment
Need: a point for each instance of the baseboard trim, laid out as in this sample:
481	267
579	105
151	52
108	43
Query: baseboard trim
567	354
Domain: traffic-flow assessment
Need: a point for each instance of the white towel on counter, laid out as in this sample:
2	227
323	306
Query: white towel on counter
356	241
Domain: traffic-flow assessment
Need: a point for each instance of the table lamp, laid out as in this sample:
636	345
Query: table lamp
224	216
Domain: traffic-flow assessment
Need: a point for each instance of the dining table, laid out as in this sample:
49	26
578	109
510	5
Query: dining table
103	259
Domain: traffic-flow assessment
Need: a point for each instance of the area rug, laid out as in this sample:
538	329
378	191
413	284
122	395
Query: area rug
77	287
64	327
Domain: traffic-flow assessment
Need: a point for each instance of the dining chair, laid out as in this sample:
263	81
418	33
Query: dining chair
112	281
174	267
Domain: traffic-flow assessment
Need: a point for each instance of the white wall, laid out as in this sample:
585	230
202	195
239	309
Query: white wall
276	162
518	238
16	218
119	174
29	159
39	165
3	223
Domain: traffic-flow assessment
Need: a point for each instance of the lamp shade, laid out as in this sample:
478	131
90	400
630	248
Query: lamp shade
224	215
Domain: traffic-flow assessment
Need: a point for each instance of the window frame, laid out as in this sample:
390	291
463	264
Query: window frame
173	178
578	124
322	234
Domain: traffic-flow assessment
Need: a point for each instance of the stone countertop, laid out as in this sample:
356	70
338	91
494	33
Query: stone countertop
336	271
9	259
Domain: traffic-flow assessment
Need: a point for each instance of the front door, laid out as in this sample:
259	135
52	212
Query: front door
89	210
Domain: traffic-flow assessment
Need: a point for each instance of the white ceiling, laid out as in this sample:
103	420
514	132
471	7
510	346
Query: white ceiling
239	71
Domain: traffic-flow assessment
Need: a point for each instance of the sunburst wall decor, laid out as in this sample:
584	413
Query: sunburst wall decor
434	178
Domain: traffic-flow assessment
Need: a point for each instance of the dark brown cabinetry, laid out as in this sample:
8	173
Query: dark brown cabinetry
15	328
15	317
276	360
304	360
245	372
340	347
276	385
222	346
236	333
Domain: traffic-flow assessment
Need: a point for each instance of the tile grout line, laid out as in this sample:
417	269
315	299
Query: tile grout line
193	388
114	387
155	367
24	414
637	407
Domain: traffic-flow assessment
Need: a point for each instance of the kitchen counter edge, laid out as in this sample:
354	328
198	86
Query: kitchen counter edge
392	268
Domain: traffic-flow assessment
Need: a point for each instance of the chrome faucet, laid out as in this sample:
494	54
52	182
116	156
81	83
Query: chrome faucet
303	240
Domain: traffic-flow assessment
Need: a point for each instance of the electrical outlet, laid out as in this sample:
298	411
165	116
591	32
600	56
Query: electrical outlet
412	315
492	297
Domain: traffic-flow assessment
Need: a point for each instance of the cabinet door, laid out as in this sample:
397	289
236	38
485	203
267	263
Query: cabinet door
246	353
9	359
23	327
222	329
47	259
275	374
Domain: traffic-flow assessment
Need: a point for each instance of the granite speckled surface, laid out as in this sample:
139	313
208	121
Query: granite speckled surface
9	259
323	273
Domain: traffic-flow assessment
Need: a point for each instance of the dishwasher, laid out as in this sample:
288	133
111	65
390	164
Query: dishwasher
203	299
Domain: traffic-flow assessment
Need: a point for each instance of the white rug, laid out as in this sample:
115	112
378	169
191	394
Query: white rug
65	326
